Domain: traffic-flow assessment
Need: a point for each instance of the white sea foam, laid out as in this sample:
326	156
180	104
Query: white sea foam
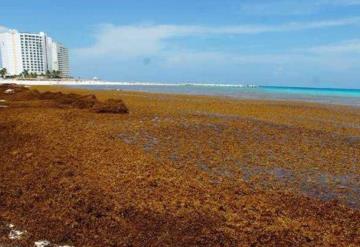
175	84
119	83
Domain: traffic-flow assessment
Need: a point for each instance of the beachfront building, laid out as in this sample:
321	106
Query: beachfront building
63	59
33	52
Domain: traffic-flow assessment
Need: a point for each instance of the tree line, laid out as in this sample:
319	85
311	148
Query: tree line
30	75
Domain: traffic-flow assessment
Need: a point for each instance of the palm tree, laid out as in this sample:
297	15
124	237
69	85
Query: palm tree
26	73
55	74
3	72
48	74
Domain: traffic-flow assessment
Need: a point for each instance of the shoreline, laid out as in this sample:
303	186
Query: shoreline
227	97
91	84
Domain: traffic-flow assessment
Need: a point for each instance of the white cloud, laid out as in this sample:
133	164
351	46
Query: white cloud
286	66
341	2
293	7
154	52
146	40
269	8
348	46
191	58
129	40
3	29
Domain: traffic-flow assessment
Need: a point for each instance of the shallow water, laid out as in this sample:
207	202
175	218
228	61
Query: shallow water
319	95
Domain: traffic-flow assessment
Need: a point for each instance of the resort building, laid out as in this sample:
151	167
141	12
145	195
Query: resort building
33	52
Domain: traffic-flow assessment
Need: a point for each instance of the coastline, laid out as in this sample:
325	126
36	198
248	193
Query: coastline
54	82
182	169
325	96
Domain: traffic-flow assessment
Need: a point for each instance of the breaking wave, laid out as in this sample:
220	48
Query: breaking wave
179	84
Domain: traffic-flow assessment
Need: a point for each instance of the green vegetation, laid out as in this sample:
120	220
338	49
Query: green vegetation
55	74
3	72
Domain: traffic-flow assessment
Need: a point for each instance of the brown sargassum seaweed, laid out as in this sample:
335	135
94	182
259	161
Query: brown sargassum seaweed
177	171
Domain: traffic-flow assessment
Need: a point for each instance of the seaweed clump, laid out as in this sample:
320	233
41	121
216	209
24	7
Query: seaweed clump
62	100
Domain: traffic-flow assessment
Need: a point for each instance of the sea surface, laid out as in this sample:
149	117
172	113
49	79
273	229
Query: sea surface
319	95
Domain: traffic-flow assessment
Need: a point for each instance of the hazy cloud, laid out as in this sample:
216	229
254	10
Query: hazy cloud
348	46
145	40
150	52
3	29
293	7
341	2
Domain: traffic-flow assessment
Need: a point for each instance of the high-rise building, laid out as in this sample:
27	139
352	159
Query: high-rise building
62	59
34	52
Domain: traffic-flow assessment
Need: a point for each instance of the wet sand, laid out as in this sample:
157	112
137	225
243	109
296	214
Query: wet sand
180	170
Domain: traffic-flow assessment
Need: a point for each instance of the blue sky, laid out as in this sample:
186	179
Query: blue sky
298	43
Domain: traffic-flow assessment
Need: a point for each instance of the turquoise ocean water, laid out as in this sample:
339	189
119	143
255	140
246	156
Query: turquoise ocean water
319	95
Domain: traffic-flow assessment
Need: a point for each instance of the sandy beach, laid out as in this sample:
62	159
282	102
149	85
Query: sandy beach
179	170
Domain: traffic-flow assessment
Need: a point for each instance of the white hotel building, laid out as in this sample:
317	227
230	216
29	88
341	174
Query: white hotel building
34	52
